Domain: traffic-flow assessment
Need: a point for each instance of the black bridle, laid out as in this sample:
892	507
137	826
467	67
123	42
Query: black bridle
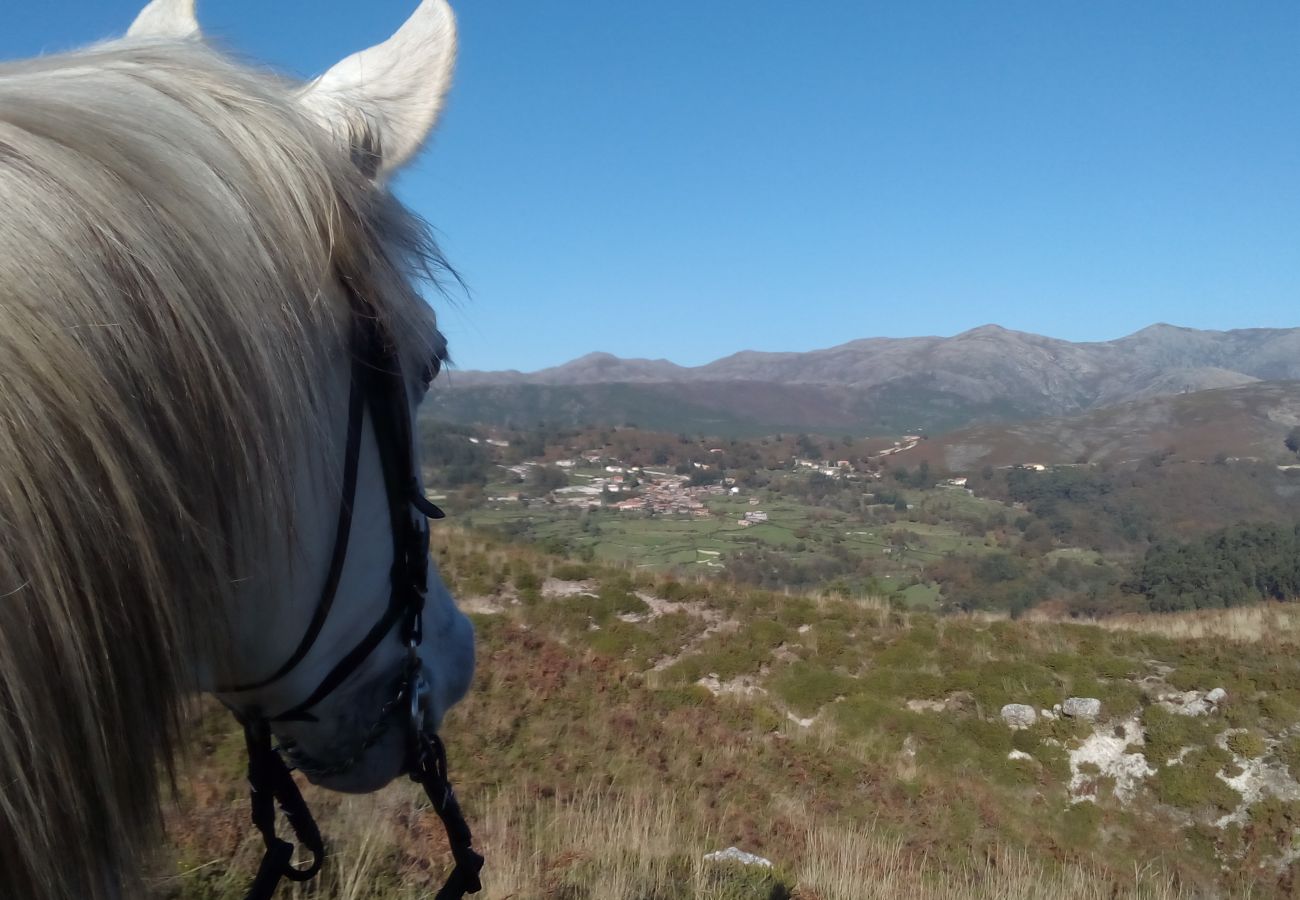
379	386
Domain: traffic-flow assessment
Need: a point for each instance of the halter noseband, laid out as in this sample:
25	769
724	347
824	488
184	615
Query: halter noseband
377	384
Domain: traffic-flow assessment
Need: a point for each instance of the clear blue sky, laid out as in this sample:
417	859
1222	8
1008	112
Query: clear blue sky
688	178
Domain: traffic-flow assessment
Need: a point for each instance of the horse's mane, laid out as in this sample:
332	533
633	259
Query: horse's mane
171	232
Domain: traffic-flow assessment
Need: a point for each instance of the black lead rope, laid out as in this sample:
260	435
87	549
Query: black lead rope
270	783
429	770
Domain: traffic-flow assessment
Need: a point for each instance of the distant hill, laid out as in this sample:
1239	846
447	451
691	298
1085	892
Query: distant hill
988	374
1247	421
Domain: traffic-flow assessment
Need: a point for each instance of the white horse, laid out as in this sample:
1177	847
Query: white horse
203	283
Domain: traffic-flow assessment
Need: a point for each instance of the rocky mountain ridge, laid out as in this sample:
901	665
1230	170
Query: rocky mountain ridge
985	374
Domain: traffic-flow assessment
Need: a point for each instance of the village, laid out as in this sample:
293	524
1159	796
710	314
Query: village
598	480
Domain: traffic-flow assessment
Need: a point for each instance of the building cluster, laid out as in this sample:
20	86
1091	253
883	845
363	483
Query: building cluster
667	494
595	477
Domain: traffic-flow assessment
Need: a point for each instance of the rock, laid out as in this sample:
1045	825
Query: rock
1191	703
734	855
1087	708
1218	695
1047	714
1105	754
1018	715
927	705
1019	755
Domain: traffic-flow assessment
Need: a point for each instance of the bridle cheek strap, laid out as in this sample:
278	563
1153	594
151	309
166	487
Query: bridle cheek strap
378	384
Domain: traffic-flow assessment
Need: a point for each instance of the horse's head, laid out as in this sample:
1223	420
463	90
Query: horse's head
212	346
330	662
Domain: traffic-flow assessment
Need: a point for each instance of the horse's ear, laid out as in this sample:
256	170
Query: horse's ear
166	19
385	101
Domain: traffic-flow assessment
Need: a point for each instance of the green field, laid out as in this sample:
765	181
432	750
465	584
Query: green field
895	553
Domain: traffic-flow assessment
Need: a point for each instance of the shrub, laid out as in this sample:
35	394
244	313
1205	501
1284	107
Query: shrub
1193	678
1280	707
740	882
807	687
1167	733
623	603
572	572
1054	759
743	652
1015	681
615	638
1288	752
1186	788
1249	744
527	580
684	696
862	715
1274	821
1194	784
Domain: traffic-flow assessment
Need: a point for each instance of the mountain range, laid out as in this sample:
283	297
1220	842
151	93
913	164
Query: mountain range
877	385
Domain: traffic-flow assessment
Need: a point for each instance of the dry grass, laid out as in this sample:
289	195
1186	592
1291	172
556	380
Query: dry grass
842	864
617	846
1274	623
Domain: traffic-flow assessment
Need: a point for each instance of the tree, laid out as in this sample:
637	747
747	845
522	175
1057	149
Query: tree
808	446
1293	440
547	478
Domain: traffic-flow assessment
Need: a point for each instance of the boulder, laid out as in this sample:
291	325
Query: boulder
1086	708
927	705
1019	715
735	855
1193	703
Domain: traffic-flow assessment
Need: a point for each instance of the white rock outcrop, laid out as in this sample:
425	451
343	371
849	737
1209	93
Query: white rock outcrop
1086	708
735	855
1193	703
1019	715
1105	754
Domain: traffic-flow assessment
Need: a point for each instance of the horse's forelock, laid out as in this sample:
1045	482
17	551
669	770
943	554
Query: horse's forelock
170	231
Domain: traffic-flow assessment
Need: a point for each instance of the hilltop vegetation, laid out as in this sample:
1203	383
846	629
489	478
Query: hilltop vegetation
624	723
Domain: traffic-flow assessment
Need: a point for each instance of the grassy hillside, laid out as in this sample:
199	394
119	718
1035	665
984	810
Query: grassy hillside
727	408
621	726
1247	421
